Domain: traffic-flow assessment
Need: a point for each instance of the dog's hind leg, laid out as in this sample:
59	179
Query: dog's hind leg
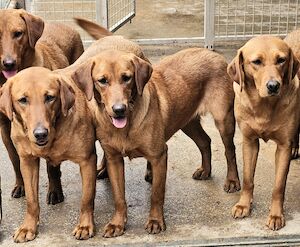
195	131
18	191
55	193
226	127
295	145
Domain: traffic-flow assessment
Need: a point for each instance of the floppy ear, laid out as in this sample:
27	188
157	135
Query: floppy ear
235	69
84	80
67	97
143	71
5	100
293	66
35	27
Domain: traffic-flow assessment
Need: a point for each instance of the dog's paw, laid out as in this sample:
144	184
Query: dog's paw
55	197
24	234
201	174
155	226
295	153
232	186
102	173
18	191
111	230
240	211
148	176
275	222
84	232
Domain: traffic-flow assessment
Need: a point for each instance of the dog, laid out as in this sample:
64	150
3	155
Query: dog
266	106
139	110
27	41
51	120
293	40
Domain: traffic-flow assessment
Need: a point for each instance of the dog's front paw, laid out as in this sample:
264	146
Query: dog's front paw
84	232
201	174
154	226
240	211
232	186
24	234
275	222
112	230
18	191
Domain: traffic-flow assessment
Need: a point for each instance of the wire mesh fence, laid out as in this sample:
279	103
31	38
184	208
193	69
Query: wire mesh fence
243	18
119	12
4	3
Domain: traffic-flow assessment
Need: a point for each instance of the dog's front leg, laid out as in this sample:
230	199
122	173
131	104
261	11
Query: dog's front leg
156	222
282	161
30	172
115	168
86	227
250	153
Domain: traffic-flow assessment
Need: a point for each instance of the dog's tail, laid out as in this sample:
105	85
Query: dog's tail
92	28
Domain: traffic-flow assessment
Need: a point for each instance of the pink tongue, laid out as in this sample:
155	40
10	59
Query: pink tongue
9	74
119	122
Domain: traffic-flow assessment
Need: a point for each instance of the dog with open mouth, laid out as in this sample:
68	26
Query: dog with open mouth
140	107
25	41
51	120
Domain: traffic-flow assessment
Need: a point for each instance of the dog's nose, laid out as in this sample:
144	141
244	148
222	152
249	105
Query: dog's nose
273	86
40	133
9	63
119	109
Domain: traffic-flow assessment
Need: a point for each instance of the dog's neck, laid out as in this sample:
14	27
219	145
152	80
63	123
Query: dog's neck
31	56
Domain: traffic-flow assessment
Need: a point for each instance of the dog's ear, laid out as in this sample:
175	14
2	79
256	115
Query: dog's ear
67	97
5	100
35	27
84	80
293	66
143	71
235	69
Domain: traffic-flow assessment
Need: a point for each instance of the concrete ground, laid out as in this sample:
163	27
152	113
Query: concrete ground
197	213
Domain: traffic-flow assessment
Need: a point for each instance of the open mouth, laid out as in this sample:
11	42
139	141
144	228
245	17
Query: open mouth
119	122
41	143
8	74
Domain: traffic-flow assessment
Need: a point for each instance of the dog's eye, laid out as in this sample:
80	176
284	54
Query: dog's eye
23	100
256	61
103	81
280	60
49	98
17	34
126	78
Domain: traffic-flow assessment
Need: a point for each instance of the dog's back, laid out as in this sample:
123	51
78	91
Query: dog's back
194	74
59	39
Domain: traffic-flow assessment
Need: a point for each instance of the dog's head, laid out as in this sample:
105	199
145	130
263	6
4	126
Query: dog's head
37	98
19	32
266	63
115	79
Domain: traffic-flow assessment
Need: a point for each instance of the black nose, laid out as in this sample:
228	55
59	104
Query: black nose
40	133
9	63
273	86
119	109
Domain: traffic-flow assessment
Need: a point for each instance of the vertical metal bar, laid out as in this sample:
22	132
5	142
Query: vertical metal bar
28	5
270	26
209	24
102	12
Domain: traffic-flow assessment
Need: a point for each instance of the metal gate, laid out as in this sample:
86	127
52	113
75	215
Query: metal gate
111	14
242	19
